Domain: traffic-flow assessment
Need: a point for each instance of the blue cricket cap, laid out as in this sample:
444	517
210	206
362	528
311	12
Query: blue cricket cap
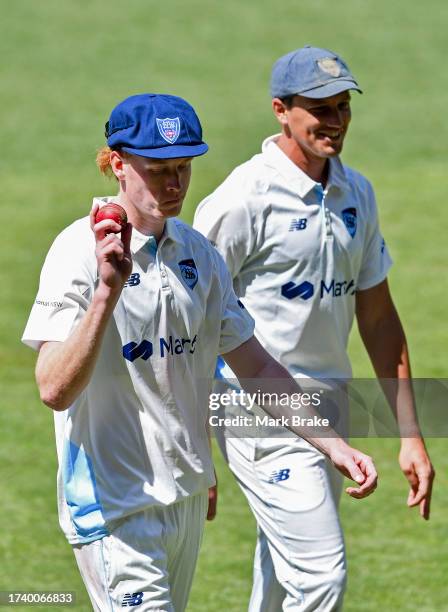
312	73
155	125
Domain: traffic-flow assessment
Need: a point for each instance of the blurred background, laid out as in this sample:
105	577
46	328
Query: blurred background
64	66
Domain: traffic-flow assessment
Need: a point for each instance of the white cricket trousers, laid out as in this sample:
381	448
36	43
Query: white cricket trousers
147	561
293	491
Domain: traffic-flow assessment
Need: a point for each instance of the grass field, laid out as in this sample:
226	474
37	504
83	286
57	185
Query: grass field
64	65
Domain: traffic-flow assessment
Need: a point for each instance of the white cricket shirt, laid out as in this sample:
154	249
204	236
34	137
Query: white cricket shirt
297	255
136	436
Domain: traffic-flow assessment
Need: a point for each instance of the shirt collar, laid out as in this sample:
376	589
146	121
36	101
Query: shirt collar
296	178
139	240
172	231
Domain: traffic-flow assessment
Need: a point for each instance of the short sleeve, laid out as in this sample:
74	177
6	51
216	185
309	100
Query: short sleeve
376	260
223	219
65	291
237	326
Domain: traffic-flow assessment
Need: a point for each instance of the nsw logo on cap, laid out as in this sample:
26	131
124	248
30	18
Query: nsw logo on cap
330	66
169	129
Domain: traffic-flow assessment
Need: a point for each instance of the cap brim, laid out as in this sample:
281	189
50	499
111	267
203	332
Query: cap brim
170	151
330	89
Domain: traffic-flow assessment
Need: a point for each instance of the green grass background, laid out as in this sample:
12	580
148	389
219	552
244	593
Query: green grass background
64	66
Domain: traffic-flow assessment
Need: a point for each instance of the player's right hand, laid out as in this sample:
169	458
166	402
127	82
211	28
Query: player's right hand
358	467
113	253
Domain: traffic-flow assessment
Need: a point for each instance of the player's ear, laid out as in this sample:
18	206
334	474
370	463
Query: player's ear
279	108
116	163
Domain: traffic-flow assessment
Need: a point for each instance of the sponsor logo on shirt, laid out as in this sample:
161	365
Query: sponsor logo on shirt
305	290
49	303
167	346
189	272
279	475
132	350
337	289
297	224
350	219
132	599
133	280
177	346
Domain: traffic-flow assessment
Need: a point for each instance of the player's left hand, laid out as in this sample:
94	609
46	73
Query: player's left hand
212	501
354	465
417	467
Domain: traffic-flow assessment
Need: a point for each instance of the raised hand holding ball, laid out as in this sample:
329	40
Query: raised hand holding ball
112	211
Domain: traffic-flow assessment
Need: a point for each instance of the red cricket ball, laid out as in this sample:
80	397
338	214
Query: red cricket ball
112	211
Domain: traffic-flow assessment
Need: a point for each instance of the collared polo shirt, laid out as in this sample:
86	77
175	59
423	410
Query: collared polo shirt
297	254
136	436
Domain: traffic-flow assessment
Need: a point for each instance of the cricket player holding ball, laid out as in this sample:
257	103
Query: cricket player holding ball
299	233
128	321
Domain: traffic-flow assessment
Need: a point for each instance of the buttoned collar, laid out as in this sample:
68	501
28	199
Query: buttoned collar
295	177
138	241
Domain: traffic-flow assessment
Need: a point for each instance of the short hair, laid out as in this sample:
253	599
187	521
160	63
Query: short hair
103	160
288	100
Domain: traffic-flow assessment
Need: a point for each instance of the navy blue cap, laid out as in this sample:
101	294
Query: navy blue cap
312	73
155	125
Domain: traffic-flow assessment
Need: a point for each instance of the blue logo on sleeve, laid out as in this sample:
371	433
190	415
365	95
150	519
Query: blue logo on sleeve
305	290
350	219
169	129
189	272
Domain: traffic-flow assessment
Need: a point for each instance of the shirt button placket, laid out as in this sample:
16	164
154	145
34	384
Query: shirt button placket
163	276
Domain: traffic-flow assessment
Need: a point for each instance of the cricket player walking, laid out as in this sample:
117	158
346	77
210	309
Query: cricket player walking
300	235
128	328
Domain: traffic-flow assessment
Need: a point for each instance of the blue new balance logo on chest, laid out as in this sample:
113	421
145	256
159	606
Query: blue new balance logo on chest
132	599
133	280
279	475
297	224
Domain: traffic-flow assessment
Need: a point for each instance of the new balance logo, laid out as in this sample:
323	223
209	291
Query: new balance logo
132	599
297	224
279	475
305	290
133	280
132	350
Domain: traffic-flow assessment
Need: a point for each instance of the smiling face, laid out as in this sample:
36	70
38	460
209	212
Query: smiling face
317	127
151	189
